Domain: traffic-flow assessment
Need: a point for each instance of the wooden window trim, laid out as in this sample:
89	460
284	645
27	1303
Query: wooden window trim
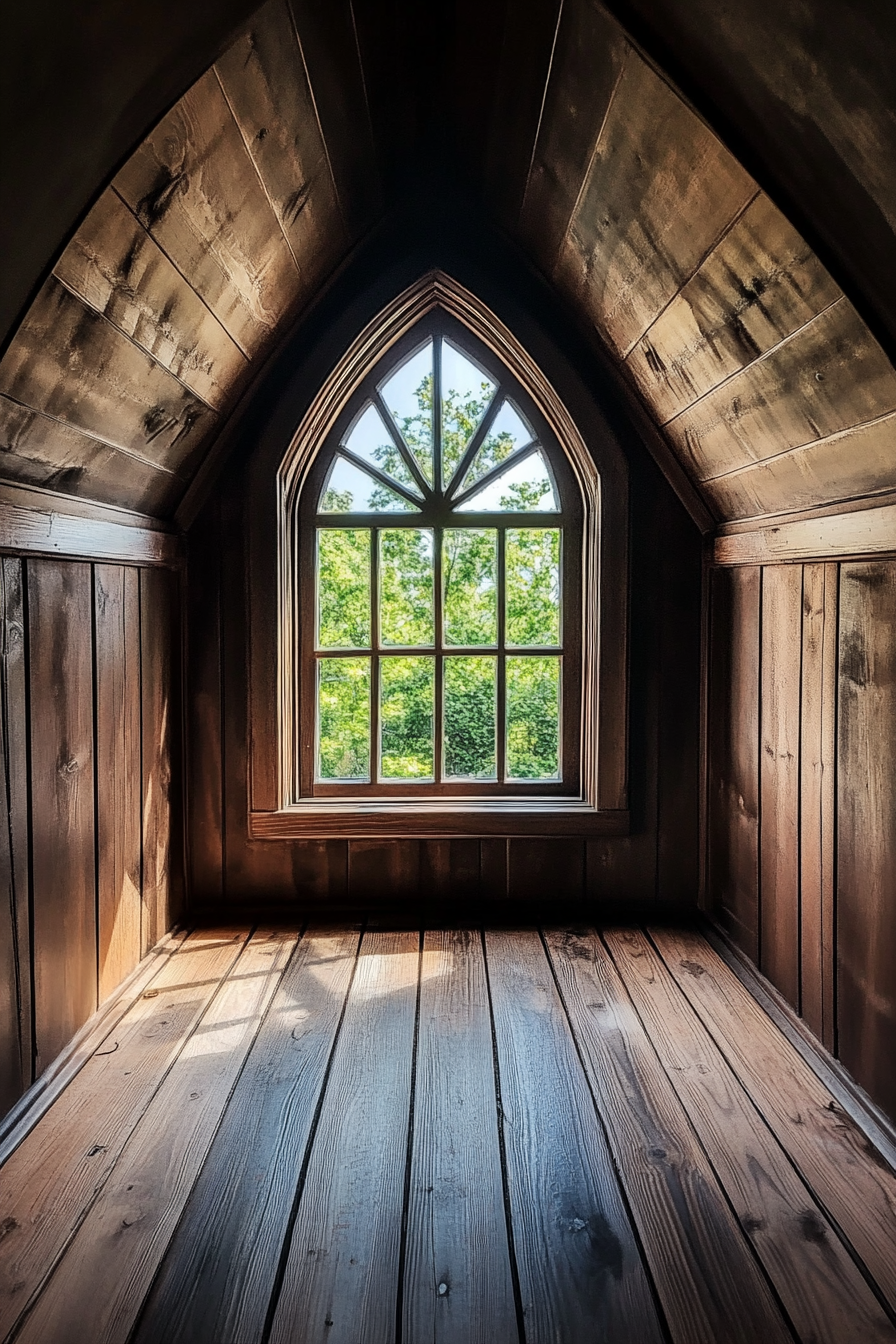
599	807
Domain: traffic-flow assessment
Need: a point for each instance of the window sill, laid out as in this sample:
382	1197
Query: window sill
435	818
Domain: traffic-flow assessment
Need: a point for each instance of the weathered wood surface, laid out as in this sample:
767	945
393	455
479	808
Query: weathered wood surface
580	1272
660	192
60	646
815	1277
123	1237
757	287
71	363
588	57
53	1177
779	778
118	778
38	450
203	721
158	617
265	82
866	840
829	376
340	1280
733	753
823	1142
115	267
44	531
818	719
458	1287
709	1286
194	188
230	1238
15	936
860	532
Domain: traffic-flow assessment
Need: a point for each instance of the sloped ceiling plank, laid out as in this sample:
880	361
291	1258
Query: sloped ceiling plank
588	60
858	463
116	268
72	364
660	193
39	451
329	45
194	188
760	285
829	376
264	81
521	80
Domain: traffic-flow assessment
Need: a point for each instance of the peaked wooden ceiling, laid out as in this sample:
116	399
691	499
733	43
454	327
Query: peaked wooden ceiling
769	387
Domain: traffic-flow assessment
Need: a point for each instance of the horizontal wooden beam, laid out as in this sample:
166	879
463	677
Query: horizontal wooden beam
427	819
26	530
861	532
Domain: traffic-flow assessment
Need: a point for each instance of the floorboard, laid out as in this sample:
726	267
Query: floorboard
456	1136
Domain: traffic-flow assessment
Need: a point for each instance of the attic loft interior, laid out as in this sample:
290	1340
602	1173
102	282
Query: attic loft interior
448	692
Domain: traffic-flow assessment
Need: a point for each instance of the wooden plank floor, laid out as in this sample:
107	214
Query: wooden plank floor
366	1135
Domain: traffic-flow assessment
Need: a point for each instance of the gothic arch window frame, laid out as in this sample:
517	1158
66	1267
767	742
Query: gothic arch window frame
597	804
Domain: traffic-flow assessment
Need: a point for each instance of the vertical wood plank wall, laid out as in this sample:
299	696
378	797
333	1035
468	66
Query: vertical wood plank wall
801	864
88	871
226	866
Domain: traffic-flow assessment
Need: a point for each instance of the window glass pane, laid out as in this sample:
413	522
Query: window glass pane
469	577
343	588
407	687
524	488
470	718
348	489
533	718
466	393
406	586
408	395
369	439
532	585
343	699
508	431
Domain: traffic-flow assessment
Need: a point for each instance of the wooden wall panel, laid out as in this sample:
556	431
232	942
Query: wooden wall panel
119	785
15	934
866	846
779	777
60	639
157	613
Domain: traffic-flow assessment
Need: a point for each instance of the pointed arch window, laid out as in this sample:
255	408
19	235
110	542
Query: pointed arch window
451	643
440	546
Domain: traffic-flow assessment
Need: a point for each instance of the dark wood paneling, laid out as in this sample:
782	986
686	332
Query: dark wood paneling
159	665
119	784
15	941
866	846
733	784
541	872
204	786
779	778
60	638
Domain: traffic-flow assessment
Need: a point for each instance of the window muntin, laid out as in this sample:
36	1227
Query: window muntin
462	669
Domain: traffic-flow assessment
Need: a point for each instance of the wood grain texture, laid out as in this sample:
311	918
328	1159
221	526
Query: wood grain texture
779	778
863	531
758	286
38	450
588	58
266	84
119	270
822	1289
204	708
341	1276
44	531
60	645
216	1281
194	188
55	1174
709	1285
580	1272
660	192
457	1283
119	774
158	616
866	845
733	786
825	1145
818	719
540	870
72	364
829	376
15	921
